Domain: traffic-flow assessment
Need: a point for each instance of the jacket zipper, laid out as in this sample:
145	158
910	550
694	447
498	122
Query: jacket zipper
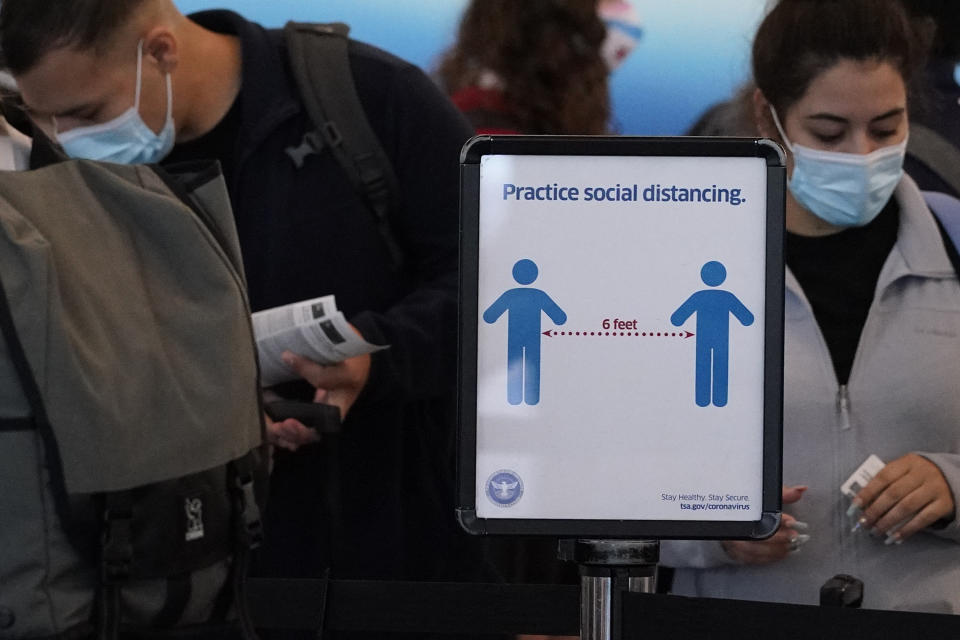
843	407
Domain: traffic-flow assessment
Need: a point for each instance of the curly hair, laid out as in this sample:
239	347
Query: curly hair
546	54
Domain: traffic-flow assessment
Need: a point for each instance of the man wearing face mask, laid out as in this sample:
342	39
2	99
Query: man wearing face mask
125	139
136	81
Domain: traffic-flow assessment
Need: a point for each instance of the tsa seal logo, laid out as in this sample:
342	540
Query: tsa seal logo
504	488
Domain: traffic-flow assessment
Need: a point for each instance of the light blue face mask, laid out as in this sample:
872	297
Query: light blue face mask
844	189
126	139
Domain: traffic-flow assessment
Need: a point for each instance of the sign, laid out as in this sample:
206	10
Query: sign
621	336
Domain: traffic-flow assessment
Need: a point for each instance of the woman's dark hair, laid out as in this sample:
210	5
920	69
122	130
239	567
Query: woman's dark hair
547	55
29	29
799	39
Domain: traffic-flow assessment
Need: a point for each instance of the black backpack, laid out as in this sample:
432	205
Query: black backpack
318	57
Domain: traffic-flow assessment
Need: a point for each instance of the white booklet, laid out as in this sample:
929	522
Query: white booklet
313	329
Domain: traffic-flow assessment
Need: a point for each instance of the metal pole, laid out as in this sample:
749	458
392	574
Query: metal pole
595	608
607	569
644	584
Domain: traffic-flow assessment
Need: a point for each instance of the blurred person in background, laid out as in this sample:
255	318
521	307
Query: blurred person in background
538	66
14	145
933	153
733	117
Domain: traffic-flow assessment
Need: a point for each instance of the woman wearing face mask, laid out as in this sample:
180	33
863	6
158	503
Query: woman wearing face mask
872	328
538	66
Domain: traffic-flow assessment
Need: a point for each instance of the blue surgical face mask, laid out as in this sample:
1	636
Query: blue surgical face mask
844	189
126	139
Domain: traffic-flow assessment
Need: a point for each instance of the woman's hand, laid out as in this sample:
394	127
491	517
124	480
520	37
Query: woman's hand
909	490
776	547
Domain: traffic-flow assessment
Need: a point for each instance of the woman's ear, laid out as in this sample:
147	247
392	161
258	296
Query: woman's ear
763	117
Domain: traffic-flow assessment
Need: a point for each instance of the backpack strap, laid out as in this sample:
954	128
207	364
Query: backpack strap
249	535
936	153
116	560
321	69
39	419
17	424
946	212
18	356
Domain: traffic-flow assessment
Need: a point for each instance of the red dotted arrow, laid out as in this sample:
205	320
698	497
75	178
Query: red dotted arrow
550	333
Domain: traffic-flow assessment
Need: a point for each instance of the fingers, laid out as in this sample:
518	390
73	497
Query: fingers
338	384
323	377
290	434
765	552
789	522
343	399
785	541
908	495
794	493
887	476
901	499
925	517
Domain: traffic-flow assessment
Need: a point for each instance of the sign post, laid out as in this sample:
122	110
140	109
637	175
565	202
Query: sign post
621	343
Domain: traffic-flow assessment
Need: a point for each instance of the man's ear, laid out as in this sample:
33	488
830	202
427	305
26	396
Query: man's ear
160	45
763	117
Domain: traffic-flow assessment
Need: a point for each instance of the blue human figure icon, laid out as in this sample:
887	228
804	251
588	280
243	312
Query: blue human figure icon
524	306
713	308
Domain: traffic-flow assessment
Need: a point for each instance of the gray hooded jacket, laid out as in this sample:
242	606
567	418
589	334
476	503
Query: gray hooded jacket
903	396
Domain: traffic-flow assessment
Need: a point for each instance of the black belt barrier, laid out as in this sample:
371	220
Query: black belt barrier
481	609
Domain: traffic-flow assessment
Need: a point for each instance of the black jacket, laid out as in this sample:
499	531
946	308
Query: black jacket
376	501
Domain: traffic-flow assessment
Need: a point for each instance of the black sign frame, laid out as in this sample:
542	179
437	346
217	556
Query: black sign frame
703	147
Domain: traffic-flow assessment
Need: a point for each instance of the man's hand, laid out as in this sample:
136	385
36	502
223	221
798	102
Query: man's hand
289	434
910	489
339	384
776	547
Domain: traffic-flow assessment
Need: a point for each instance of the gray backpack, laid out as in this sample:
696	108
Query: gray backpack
946	211
130	419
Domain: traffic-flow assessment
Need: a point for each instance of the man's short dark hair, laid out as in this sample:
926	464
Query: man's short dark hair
29	29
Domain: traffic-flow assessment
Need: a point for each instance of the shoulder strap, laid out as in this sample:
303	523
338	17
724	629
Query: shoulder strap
946	211
936	153
39	419
321	68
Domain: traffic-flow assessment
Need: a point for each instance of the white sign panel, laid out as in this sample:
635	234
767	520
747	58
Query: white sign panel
620	338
